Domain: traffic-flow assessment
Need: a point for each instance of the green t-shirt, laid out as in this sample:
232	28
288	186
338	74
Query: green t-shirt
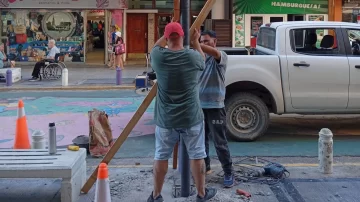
177	102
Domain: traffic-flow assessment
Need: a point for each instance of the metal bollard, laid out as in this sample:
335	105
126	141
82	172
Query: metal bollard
118	76
8	77
38	140
326	151
65	77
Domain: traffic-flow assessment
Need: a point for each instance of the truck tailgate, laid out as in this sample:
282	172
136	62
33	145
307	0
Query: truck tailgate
262	69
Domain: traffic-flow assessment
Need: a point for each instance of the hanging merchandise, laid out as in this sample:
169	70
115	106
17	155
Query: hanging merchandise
21	38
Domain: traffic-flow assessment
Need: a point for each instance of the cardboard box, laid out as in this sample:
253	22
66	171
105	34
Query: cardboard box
141	81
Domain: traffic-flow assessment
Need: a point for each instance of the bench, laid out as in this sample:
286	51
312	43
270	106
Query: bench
16	74
70	166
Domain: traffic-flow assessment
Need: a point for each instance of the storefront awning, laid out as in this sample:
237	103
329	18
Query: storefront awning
64	4
280	7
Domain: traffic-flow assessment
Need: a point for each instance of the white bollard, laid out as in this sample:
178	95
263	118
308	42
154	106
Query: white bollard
38	140
65	74
326	151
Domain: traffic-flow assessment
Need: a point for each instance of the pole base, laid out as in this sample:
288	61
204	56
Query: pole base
176	191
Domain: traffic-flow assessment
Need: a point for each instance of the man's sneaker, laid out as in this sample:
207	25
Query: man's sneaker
228	180
157	199
34	79
209	194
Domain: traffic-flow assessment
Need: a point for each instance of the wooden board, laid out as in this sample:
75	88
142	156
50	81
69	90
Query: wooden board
142	108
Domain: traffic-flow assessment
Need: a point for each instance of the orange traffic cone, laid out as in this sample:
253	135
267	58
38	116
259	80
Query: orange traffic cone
102	193
21	135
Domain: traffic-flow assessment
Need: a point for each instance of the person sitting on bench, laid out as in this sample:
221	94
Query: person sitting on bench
49	58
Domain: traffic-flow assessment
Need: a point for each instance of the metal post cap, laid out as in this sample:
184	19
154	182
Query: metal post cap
325	132
38	133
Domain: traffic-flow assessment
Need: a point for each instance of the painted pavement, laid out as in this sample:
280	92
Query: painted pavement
71	116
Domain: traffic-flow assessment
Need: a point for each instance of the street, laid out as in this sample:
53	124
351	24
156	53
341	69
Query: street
291	140
288	135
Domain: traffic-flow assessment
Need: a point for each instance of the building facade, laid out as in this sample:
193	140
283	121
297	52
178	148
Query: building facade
349	11
249	15
79	27
144	24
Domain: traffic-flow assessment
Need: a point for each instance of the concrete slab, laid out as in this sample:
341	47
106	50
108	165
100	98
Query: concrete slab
325	190
132	183
39	190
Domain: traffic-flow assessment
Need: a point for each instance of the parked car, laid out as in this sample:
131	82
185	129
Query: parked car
298	68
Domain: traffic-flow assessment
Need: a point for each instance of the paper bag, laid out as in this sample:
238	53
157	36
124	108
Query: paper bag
100	133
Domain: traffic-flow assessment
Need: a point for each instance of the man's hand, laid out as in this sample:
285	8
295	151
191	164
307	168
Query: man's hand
195	36
195	42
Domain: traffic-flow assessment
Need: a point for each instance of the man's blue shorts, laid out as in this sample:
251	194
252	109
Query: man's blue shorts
194	139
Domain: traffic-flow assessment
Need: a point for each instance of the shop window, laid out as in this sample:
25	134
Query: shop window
276	19
163	20
140	4
354	38
255	24
27	34
314	41
164	4
197	5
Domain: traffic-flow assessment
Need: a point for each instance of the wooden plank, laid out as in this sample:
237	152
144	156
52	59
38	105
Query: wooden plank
175	155
142	108
176	10
123	136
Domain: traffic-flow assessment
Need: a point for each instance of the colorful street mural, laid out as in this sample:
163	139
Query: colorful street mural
71	116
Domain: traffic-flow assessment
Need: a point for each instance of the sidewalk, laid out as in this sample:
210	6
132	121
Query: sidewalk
133	183
81	77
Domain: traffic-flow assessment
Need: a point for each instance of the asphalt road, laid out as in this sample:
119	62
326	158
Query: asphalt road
290	135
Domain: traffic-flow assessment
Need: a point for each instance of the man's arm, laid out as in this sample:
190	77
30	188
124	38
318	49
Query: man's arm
197	47
161	42
196	44
211	51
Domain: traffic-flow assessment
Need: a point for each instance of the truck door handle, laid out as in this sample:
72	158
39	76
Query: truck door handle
357	66
301	65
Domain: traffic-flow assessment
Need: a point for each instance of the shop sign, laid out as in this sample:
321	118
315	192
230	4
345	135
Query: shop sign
280	7
64	4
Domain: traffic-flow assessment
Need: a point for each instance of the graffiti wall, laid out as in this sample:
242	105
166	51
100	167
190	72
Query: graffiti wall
71	116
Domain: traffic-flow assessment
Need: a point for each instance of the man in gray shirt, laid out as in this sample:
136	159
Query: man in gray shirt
212	96
178	112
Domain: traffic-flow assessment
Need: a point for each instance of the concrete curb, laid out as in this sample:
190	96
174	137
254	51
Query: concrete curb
293	165
72	88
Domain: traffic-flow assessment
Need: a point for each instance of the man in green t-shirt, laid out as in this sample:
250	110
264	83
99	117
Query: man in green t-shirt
178	113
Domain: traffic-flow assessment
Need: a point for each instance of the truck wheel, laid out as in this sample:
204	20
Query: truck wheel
247	117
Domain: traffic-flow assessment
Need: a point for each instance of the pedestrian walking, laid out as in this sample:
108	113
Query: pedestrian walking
178	112
212	96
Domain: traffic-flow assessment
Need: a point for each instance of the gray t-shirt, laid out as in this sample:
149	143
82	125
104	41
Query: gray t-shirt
177	102
212	82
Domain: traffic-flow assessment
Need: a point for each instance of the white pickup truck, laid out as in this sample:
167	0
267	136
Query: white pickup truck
298	68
